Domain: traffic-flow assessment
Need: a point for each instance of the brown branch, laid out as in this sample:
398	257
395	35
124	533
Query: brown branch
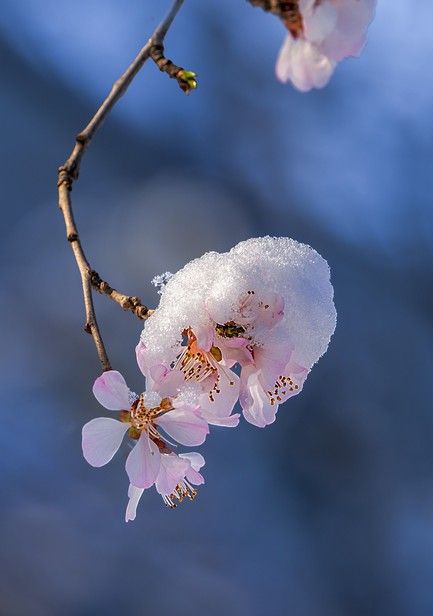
68	173
186	79
127	302
281	8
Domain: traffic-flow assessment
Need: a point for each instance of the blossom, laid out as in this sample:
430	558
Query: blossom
269	376
321	33
266	306
142	417
196	363
175	480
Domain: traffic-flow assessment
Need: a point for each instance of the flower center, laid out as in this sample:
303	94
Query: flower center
229	330
142	418
195	364
183	489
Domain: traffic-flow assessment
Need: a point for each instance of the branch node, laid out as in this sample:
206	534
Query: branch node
186	79
72	237
82	138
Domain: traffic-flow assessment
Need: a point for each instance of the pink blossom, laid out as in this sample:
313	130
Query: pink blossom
197	362
321	33
265	308
142	417
269	376
175	480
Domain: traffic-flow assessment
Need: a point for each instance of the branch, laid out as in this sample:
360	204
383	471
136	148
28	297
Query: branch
281	8
127	302
185	79
69	172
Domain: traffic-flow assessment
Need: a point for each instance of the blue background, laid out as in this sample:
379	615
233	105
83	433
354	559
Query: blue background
329	511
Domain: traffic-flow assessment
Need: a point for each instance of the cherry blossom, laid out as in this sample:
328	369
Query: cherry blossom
197	362
269	376
265	306
321	33
142	417
175	480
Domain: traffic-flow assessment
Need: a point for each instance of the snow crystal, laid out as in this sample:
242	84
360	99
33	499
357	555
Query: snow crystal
216	282
161	280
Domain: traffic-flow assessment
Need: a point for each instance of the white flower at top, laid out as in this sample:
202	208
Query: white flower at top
267	305
321	33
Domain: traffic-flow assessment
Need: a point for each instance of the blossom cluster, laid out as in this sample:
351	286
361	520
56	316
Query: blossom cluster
321	33
243	326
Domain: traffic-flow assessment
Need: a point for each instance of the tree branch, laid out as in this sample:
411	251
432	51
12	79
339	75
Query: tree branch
69	172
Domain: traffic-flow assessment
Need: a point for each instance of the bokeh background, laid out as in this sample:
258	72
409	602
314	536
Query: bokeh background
329	511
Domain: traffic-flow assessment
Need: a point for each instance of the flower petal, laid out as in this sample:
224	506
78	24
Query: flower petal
254	400
271	360
194	477
142	464
101	438
205	338
303	64
221	396
196	459
225	422
172	470
111	390
271	310
165	381
184	425
134	495
141	355
235	353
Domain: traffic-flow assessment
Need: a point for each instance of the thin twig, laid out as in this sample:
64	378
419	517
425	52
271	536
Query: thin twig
68	173
281	8
186	79
127	302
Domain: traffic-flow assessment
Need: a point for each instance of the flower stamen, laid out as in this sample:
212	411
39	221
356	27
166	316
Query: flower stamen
183	490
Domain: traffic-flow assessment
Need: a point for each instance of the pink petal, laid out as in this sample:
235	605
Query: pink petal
234	353
319	21
271	359
196	459
101	438
219	398
194	477
205	338
172	470
142	464
303	64
159	377
283	67
165	381
225	422
298	374
271	310
140	354
184	425
134	495
254	400
349	35
111	390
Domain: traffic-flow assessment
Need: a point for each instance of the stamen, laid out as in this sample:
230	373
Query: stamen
281	385
183	490
195	366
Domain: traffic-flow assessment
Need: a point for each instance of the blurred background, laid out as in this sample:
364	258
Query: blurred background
329	511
